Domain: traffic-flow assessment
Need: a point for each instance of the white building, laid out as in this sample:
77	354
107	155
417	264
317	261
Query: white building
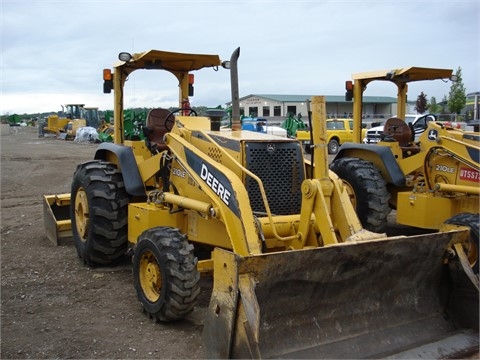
274	105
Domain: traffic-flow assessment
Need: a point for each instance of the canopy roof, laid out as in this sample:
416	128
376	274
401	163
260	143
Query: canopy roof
405	74
170	61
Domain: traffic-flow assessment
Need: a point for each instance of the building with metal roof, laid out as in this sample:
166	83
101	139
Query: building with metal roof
277	105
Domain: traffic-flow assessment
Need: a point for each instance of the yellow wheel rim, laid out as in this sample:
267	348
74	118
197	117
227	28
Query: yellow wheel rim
150	276
350	192
82	216
471	250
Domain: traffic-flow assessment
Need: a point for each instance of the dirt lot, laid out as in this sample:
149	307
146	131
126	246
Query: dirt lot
52	306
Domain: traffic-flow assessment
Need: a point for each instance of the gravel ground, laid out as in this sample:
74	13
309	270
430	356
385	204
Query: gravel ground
52	306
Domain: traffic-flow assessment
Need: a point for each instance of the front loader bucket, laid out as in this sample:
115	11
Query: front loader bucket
374	299
56	217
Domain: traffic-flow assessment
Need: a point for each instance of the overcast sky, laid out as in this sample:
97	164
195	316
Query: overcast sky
53	51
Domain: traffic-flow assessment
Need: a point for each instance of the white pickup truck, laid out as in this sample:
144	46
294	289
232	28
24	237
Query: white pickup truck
419	123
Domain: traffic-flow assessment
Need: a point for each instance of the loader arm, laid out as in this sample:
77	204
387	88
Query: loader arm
325	196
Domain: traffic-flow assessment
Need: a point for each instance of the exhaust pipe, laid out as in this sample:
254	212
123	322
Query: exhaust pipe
236	125
217	115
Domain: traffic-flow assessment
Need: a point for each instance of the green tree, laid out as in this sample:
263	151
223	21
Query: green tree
433	107
421	104
444	104
457	97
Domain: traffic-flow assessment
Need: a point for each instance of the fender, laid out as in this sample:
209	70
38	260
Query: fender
126	160
378	155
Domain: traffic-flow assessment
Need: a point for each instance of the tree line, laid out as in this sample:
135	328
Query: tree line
455	102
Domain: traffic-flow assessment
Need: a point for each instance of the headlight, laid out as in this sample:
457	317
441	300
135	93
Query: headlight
125	56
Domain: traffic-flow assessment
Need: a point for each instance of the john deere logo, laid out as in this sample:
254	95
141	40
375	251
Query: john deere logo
270	148
432	135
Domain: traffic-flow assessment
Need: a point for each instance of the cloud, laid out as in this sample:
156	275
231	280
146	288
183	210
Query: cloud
55	49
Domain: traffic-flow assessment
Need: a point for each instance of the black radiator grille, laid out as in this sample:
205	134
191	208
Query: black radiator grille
280	167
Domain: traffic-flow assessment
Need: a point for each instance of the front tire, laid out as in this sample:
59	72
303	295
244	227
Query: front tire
98	212
165	274
471	247
368	191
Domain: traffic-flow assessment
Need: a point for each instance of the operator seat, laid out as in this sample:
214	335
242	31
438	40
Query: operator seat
155	129
398	130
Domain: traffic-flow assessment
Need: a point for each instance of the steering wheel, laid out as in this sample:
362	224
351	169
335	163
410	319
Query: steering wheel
432	116
169	122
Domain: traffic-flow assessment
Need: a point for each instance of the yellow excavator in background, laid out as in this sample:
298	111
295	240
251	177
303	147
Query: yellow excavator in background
294	272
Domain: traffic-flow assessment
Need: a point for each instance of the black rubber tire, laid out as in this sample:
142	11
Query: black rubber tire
98	211
333	147
370	192
473	222
165	274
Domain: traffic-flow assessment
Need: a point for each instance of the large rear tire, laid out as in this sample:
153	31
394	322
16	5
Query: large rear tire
165	274
98	211
471	247
367	190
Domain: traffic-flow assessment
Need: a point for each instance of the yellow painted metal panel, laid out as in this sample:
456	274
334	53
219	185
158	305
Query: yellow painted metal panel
207	231
143	216
424	210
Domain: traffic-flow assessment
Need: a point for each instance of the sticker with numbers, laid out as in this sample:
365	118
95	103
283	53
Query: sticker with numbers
469	174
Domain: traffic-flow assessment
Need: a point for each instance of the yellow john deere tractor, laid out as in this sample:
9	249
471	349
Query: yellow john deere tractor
428	171
294	272
65	128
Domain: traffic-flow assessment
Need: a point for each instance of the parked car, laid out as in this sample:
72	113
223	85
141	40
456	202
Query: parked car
339	131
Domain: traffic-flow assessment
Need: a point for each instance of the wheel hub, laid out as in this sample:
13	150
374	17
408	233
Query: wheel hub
150	277
82	216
